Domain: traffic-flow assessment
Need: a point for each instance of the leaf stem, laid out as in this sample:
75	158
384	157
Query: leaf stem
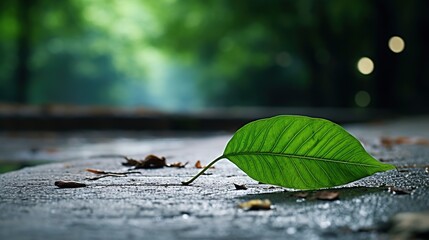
202	171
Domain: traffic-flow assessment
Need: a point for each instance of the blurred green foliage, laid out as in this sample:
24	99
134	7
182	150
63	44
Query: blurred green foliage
185	55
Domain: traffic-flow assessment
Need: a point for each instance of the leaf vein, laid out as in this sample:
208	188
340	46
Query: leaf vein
294	136
299	156
342	151
299	173
280	136
327	141
335	145
274	177
264	138
303	143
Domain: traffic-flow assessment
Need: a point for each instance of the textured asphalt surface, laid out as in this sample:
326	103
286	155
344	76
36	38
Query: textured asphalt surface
154	204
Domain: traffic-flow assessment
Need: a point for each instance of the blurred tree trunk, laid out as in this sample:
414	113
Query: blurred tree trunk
22	74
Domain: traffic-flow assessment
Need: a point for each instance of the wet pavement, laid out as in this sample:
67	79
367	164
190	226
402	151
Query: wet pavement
154	205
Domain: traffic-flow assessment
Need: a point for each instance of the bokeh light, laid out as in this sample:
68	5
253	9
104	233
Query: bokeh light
365	65
396	44
362	99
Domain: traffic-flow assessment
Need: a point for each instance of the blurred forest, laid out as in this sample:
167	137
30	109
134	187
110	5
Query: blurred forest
189	55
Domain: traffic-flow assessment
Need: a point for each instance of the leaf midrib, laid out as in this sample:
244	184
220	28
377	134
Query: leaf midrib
299	156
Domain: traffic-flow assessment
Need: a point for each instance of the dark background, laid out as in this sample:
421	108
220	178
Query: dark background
192	55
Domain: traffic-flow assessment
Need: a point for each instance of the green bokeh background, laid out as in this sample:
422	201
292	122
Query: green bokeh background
191	55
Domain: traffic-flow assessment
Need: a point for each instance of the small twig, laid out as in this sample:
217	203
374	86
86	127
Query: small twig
95	171
103	174
177	165
131	172
106	175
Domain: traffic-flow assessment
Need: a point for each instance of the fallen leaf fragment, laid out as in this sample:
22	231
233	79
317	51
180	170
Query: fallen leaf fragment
327	195
131	162
69	184
390	141
398	191
320	195
150	161
240	187
95	171
301	194
422	141
256	204
199	165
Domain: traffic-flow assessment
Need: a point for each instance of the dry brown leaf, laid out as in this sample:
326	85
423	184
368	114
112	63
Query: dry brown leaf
327	195
199	165
403	140
256	204
240	187
131	162
391	141
150	161
69	184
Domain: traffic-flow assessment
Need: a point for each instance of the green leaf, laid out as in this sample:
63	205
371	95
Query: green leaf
299	152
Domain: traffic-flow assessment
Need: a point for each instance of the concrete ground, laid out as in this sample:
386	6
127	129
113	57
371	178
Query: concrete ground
154	204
